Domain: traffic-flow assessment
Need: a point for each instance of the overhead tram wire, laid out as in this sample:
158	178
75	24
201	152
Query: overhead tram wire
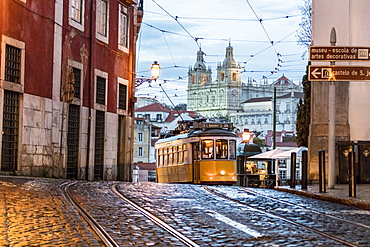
225	19
175	18
169	50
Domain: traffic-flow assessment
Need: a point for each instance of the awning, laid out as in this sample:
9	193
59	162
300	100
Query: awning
266	155
287	154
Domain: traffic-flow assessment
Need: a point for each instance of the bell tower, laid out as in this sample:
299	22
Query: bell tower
229	82
199	77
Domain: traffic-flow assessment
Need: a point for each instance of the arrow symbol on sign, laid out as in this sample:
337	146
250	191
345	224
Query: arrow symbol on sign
315	73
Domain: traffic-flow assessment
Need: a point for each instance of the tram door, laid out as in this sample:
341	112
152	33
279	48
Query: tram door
196	163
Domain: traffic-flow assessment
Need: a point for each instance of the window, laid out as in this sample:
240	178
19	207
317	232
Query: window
12	64
122	97
221	149
123	28
77	82
180	154
76	11
287	107
234	76
207	149
204	78
140	152
266	121
100	90
76	14
175	155
102	20
222	75
232	149
282	174
282	163
159	117
140	137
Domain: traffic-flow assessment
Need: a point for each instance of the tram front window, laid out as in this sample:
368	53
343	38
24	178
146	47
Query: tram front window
221	149
207	149
232	149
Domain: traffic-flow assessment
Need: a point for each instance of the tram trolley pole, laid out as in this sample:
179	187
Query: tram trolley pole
293	161
304	169
322	186
351	173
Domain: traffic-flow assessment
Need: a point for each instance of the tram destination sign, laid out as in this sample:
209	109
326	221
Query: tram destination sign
339	53
339	73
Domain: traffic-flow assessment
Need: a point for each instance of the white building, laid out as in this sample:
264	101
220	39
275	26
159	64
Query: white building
257	113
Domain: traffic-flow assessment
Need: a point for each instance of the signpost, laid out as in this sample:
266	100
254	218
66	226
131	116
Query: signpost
339	73
339	53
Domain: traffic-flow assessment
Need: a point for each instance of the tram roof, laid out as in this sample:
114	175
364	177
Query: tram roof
173	138
212	132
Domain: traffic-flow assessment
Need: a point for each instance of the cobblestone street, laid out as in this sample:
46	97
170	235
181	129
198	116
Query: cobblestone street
34	212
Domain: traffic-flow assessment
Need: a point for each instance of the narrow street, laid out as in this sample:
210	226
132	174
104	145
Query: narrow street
35	211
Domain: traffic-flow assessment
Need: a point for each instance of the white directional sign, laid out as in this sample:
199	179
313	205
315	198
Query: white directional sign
339	73
339	53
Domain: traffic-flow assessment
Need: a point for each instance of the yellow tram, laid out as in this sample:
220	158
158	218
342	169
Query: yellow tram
204	155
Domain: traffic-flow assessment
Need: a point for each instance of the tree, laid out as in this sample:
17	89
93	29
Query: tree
259	142
181	107
304	113
305	32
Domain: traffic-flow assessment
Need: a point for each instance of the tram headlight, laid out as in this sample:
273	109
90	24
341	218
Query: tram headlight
222	172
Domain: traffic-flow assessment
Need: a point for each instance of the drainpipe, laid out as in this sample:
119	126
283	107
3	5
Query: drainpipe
90	81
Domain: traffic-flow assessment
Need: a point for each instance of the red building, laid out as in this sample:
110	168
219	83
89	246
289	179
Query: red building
67	72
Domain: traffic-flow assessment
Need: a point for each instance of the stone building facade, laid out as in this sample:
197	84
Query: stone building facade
248	105
351	98
67	87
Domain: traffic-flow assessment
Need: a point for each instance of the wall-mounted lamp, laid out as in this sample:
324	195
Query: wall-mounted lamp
154	70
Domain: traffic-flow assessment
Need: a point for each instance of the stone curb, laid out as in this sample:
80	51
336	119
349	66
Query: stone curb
361	205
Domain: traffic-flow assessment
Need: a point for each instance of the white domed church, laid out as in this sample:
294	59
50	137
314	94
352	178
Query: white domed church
247	105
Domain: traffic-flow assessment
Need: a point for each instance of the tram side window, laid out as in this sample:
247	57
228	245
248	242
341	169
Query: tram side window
221	149
180	154
165	160
232	149
185	153
207	149
160	157
170	156
175	154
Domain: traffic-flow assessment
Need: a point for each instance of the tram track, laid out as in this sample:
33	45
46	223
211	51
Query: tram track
285	219
186	241
98	228
308	209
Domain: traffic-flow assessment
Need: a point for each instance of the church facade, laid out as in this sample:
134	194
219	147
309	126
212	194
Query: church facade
215	99
228	97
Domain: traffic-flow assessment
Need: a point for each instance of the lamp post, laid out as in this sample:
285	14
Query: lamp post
155	72
241	169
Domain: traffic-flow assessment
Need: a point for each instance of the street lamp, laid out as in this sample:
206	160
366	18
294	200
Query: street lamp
246	136
154	70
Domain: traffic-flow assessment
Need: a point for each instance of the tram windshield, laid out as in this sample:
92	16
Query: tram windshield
221	149
207	149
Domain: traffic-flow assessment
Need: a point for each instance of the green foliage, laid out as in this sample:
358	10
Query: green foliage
258	142
181	107
304	113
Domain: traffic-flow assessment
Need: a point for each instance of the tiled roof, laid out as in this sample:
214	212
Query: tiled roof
145	166
174	114
155	107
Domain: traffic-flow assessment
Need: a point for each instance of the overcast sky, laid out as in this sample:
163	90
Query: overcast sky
213	23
